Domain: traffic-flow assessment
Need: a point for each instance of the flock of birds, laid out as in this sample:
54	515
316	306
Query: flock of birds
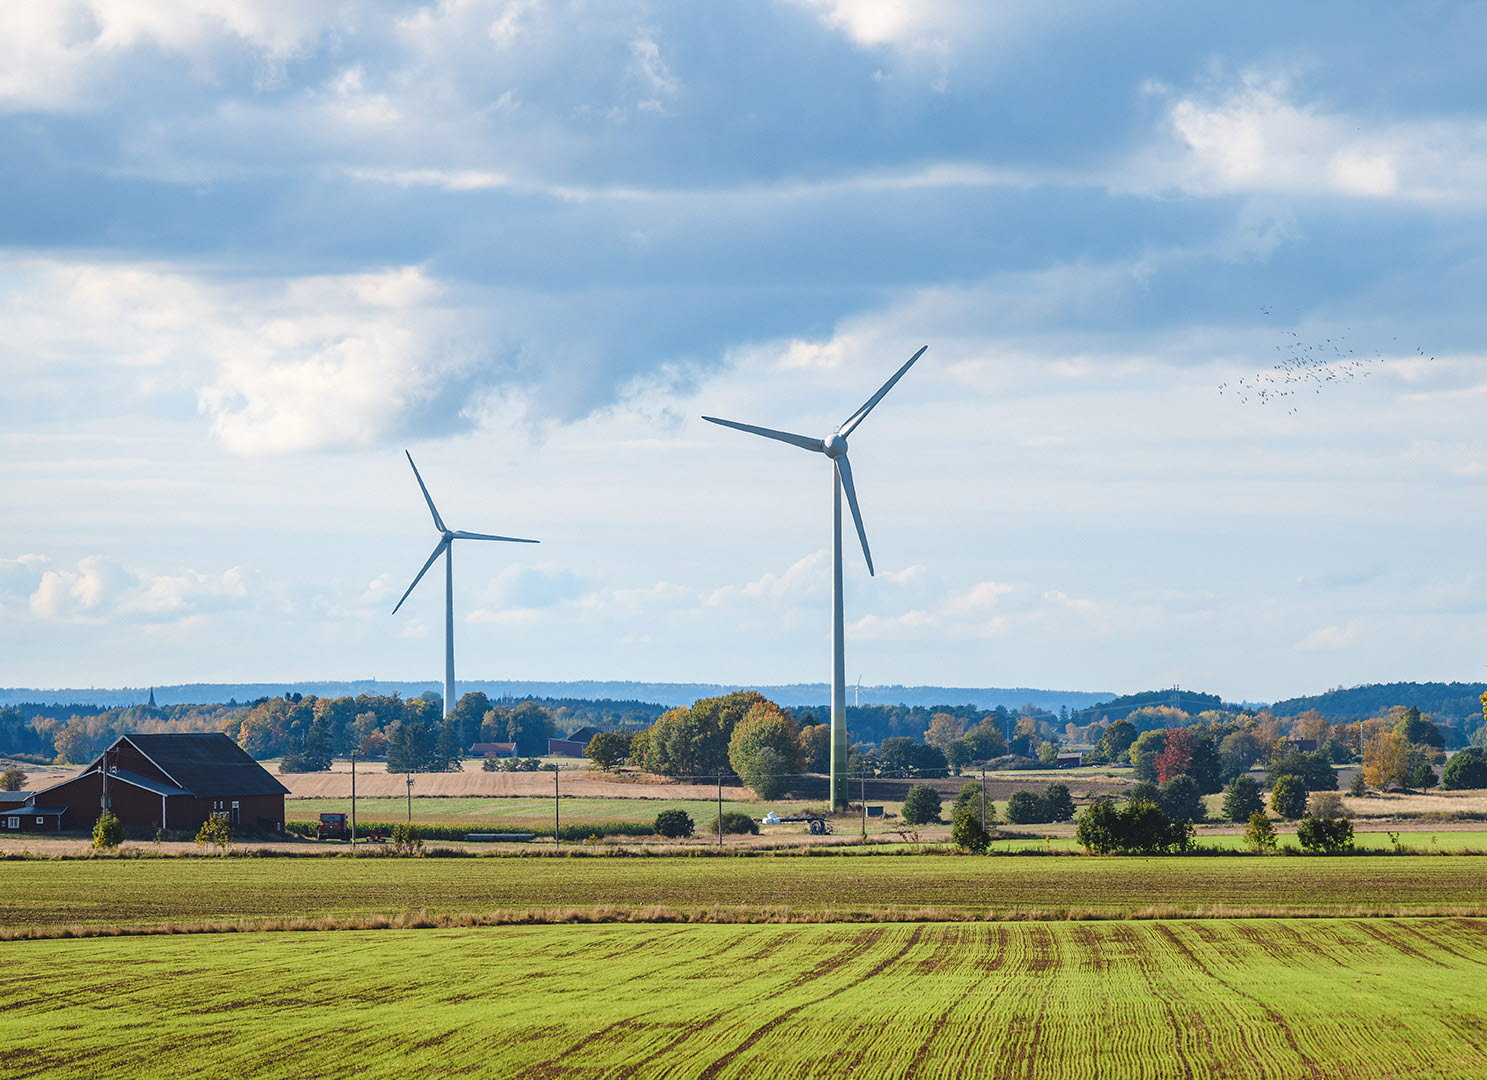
1309	366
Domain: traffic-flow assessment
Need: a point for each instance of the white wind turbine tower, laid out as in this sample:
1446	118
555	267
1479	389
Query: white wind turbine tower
835	448
445	547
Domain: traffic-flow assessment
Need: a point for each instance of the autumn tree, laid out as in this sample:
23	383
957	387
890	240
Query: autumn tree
765	750
815	743
1418	730
1386	760
943	730
607	749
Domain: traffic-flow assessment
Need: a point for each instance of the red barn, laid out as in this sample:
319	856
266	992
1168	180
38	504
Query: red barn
171	782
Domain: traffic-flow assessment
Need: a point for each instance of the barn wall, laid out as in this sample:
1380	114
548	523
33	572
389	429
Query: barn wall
131	805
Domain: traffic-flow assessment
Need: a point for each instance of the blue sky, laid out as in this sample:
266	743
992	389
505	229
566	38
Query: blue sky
255	248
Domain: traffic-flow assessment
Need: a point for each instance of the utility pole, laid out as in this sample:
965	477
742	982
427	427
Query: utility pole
557	840
864	808
353	801
720	809
983	798
410	798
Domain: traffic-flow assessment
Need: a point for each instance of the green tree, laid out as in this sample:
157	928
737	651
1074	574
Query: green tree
1328	836
674	824
985	741
1144	791
12	779
921	805
1026	808
469	717
970	798
607	749
904	757
966	833
1138	828
815	742
1144	752
528	725
1420	774
1357	789
1314	769
406	839
108	831
1418	730
1238	752
765	750
215	831
1259	834
1058	804
1180	799
412	746
1466	771
1288	797
1117	740
1242	800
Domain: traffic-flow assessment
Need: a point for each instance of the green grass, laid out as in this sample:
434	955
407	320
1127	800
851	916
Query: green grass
1320	999
509	813
124	892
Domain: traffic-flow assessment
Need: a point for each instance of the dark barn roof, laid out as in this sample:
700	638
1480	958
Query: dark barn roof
207	765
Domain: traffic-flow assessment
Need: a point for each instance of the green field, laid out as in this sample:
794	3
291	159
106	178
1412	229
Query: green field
514	813
50	894
1272	998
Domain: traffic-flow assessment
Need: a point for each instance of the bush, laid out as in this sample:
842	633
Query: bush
967	833
12	780
1328	836
1288	797
406	839
921	805
735	823
1466	771
490	764
1136	828
1058	804
1259	834
215	831
108	831
1242	800
1358	788
1326	804
1025	808
675	824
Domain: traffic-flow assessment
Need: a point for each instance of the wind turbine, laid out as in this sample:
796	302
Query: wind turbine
835	448
445	547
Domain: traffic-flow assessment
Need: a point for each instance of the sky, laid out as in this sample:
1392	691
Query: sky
255	249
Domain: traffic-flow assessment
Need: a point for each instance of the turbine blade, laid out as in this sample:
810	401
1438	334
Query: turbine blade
805	442
438	521
462	535
438	550
851	422
844	470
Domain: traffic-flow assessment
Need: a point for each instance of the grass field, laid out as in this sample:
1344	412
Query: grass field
498	813
151	891
1317	998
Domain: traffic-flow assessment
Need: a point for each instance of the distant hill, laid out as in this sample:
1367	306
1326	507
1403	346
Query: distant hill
1458	702
667	694
1192	702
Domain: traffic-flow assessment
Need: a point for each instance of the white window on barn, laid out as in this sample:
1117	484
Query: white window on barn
13	823
41	821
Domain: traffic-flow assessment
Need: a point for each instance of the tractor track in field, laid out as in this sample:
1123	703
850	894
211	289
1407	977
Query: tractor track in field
1274	1017
718	1064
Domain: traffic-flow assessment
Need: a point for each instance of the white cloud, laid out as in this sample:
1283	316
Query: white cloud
1329	637
101	588
804	579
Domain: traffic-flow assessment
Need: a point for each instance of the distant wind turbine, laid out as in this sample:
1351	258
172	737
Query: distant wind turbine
835	448
445	547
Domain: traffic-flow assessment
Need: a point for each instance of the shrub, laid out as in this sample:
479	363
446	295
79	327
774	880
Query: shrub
921	805
735	823
217	832
406	839
1025	808
1136	827
1326	804
1288	797
967	833
1145	791
675	824
1327	836
1259	834
1358	788
1242	800
12	779
1058	804
1466	771
490	764
108	831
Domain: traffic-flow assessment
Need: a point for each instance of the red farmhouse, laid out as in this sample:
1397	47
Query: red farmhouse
165	781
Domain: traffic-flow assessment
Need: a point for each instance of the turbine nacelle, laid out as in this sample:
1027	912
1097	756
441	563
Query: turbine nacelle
835	446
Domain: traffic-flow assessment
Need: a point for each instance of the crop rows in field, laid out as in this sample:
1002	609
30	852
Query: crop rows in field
152	891
1238	999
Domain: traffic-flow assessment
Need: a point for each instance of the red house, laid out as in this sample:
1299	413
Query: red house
574	745
162	781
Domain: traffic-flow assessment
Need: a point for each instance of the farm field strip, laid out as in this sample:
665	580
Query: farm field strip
133	892
1326	998
477	811
1443	841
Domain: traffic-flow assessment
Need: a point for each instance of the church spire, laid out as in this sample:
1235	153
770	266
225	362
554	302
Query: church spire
152	697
